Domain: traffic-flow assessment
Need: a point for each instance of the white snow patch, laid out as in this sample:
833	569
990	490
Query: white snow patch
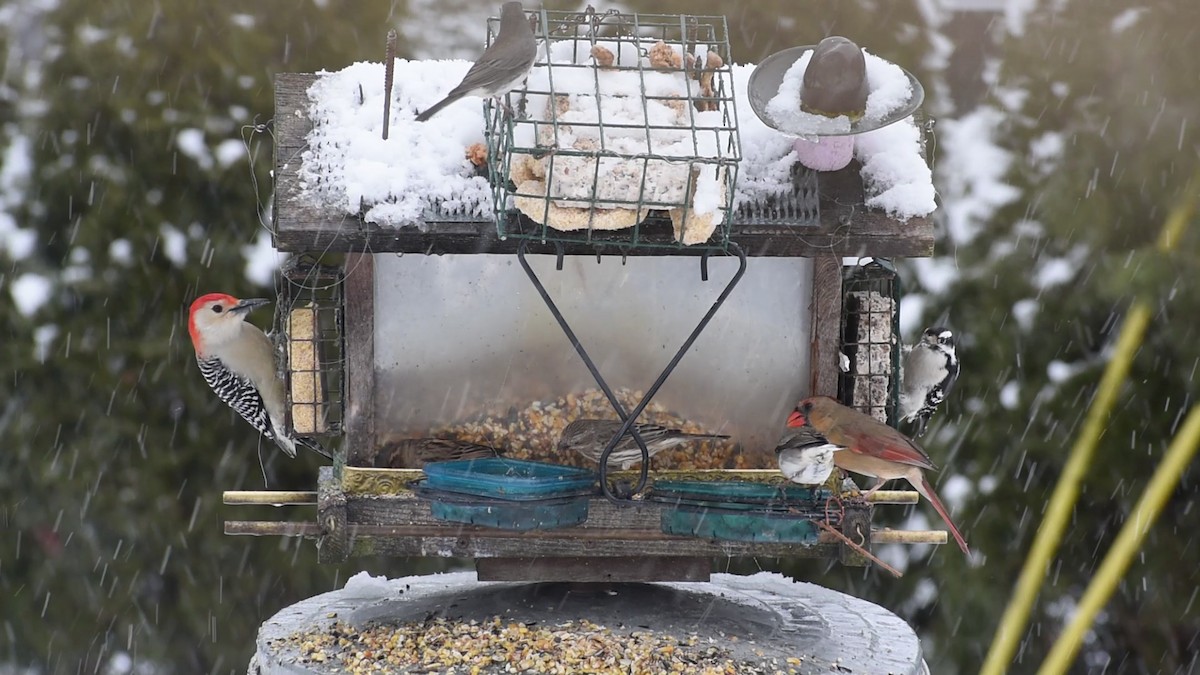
1015	13
955	491
1010	395
350	167
972	172
30	291
1051	272
1061	371
896	555
174	244
1046	151
988	484
365	584
767	155
247	21
43	340
262	260
120	251
895	175
912	309
15	167
1024	312
191	143
924	595
229	152
79	266
936	275
1124	20
90	35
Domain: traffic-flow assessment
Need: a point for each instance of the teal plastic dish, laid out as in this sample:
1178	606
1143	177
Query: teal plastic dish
511	479
739	495
692	521
519	515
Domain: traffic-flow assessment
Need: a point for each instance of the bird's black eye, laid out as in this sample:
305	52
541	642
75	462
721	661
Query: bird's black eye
218	309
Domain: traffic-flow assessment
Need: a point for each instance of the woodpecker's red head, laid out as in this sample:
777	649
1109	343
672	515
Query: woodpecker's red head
215	317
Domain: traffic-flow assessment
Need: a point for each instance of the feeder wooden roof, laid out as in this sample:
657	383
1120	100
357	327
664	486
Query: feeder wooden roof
847	227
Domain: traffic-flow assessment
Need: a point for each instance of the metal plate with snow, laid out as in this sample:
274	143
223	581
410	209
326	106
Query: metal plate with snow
895	94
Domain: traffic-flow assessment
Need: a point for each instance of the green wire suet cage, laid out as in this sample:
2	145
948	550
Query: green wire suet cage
870	377
624	135
309	345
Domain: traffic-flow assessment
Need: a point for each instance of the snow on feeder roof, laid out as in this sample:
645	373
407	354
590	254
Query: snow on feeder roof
616	125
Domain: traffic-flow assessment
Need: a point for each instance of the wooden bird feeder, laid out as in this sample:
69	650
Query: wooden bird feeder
447	329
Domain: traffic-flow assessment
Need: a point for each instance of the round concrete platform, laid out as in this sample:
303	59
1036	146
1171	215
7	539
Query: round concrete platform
765	618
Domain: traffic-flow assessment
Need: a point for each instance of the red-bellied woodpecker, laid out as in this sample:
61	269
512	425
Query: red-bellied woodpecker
237	361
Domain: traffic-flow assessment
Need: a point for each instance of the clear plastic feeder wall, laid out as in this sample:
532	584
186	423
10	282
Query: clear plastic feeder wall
624	135
308	340
870	380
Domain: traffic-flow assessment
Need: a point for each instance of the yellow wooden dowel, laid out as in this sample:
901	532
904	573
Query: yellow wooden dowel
1066	492
1126	546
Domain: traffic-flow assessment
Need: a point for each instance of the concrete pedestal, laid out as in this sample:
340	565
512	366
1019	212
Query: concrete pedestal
765	618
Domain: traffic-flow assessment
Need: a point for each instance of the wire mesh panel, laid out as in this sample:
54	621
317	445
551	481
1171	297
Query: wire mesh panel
871	340
625	133
308	341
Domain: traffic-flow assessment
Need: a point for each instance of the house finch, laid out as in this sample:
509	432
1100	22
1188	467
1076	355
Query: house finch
589	437
871	448
804	456
414	453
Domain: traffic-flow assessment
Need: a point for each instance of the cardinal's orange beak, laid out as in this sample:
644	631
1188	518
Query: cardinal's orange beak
796	419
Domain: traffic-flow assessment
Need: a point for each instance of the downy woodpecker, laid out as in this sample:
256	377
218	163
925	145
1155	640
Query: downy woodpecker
927	376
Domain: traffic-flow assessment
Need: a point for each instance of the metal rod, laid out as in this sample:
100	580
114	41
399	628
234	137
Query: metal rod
388	68
687	344
267	497
591	366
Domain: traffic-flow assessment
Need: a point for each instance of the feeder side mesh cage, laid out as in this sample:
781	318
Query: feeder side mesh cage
624	134
309	346
871	340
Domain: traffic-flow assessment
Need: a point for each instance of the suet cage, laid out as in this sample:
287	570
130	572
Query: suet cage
870	379
624	135
308	335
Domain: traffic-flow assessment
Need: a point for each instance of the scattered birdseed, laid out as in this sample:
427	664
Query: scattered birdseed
533	433
440	645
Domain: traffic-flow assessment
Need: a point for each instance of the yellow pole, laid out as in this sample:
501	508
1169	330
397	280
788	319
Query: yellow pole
1066	492
1115	564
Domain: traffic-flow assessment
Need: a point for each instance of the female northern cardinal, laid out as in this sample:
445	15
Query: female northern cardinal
871	448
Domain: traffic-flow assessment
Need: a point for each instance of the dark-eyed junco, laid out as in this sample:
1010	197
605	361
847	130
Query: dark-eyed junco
502	66
589	437
804	456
